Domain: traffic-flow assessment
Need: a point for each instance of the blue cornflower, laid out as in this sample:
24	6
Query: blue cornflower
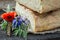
26	22
14	23
17	22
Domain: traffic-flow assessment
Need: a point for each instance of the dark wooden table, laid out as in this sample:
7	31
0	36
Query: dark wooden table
54	36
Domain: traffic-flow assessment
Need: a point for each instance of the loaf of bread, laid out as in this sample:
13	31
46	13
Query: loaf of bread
41	6
39	23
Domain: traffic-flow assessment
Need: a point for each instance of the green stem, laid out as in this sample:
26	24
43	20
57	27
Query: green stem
9	29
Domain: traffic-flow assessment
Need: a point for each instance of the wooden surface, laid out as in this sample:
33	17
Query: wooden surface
4	3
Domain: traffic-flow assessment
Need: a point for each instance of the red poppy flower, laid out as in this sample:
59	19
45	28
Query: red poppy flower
9	16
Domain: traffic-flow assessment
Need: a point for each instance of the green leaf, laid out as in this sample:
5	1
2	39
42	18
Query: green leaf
25	35
4	25
16	32
8	8
20	32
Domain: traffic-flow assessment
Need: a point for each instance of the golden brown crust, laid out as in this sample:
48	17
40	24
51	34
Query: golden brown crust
48	21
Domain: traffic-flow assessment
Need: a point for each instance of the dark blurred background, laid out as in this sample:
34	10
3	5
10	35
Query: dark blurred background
4	3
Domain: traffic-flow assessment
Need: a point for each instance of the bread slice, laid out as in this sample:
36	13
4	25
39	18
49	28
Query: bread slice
40	6
39	23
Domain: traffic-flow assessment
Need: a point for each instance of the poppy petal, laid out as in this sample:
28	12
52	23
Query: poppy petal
9	16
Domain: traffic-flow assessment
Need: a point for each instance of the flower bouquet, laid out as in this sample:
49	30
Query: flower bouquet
14	24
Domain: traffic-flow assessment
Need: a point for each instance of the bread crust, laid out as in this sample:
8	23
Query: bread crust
40	22
41	6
